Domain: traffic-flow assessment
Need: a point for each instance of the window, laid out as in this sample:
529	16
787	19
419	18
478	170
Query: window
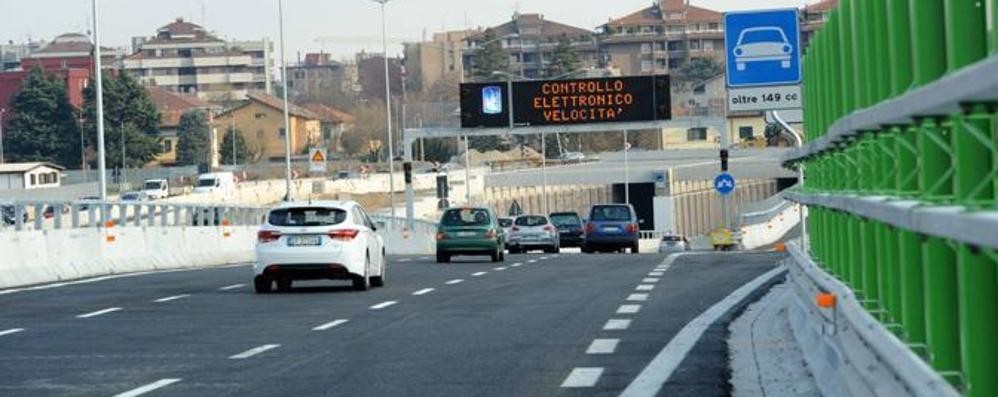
259	115
299	74
185	53
167	146
307	216
34	180
695	44
660	46
660	63
708	45
645	66
700	89
675	46
531	221
645	48
675	63
714	26
745	132
281	132
696	134
466	217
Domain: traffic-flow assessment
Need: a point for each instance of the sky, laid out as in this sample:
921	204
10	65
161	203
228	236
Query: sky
339	27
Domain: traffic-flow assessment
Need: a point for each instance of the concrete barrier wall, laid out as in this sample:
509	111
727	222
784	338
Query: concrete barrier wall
45	256
770	231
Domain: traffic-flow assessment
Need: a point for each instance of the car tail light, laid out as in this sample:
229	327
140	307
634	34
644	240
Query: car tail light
632	227
516	229
344	234
441	236
590	227
491	233
549	228
266	236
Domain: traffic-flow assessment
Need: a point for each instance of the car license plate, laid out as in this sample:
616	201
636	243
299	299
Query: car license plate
304	241
466	234
611	229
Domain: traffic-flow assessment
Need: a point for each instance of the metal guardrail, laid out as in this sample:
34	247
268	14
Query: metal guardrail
54	215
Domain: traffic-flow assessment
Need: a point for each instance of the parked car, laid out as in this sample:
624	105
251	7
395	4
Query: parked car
8	213
84	203
571	232
49	211
133	196
612	228
534	232
506	225
673	243
217	182
469	231
329	240
572	156
156	189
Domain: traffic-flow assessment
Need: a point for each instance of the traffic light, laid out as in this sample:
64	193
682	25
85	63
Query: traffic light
407	168
724	160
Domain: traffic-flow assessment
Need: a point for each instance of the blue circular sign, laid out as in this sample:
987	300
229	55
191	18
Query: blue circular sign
724	183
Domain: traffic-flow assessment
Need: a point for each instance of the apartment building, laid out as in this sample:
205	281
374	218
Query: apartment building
319	76
813	17
530	40
184	57
441	59
662	38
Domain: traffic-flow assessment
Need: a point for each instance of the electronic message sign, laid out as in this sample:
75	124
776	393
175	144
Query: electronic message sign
567	102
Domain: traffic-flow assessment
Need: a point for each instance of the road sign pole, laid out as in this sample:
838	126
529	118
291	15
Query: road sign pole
627	171
410	195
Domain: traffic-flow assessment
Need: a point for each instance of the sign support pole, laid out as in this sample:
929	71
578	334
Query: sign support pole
544	172
627	171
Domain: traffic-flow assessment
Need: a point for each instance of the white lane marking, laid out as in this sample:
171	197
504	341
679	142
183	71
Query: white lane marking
423	291
171	298
424	258
231	287
583	377
645	287
556	256
405	259
112	277
500	268
517	264
628	309
254	351
454	281
650	280
637	297
99	312
383	305
330	324
11	331
479	274
543	258
532	261
655	274
148	388
603	346
616	324
660	369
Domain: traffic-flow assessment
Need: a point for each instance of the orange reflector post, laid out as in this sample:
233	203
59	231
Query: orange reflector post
109	224
825	300
111	238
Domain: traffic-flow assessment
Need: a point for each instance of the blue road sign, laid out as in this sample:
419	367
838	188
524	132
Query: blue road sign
724	183
763	48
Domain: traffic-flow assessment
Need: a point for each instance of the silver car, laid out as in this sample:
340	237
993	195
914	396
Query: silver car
506	224
533	232
672	243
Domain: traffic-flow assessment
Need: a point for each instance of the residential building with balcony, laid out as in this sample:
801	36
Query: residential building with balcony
320	76
184	57
530	41
662	38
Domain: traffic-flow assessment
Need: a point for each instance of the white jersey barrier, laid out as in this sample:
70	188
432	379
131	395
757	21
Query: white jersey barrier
763	228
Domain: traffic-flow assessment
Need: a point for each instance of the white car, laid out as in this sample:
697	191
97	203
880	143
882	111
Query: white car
330	240
763	44
572	156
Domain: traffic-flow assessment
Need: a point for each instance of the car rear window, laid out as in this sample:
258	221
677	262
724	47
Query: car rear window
466	217
505	222
531	220
672	238
307	216
613	213
566	220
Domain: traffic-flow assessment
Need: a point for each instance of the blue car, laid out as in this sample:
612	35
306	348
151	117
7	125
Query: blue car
611	228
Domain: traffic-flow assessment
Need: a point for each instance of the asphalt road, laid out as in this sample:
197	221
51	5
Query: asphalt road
537	325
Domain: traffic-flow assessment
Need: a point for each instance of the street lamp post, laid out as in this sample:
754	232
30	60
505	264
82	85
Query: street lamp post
287	117
2	111
99	80
388	108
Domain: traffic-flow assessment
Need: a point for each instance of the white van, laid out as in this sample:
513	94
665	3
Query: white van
215	182
156	189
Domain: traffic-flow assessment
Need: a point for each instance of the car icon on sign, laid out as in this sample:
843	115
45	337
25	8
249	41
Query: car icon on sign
763	44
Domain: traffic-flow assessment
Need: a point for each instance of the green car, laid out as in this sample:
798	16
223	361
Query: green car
469	231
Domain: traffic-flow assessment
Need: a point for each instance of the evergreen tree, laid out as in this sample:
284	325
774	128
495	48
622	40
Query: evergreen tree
565	59
243	154
492	57
42	126
128	110
194	138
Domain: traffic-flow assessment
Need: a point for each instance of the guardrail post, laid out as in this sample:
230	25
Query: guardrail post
151	217
39	216
942	328
978	297
122	214
74	210
57	210
164	214
137	209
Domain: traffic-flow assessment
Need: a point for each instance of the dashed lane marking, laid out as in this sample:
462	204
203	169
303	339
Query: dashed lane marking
171	298
617	324
543	258
582	377
423	291
500	268
254	351
330	324
655	274
479	274
11	331
645	287
637	297
383	305
424	258
650	280
148	388
455	281
532	261
99	312
603	346
628	309
231	287
517	264
405	260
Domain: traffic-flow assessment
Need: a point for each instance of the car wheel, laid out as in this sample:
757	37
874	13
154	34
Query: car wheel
284	284
379	281
513	250
363	282
634	248
502	255
262	285
443	257
494	256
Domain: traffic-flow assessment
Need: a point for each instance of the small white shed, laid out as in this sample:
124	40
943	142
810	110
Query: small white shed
20	176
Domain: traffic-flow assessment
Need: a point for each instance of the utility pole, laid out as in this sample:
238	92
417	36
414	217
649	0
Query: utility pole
287	117
101	164
388	109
